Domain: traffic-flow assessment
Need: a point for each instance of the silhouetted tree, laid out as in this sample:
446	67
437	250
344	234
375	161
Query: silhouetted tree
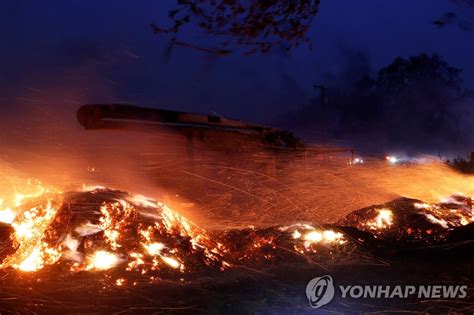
464	165
418	74
255	26
417	94
414	103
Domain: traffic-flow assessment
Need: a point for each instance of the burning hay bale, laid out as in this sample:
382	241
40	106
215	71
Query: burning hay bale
102	229
411	221
297	243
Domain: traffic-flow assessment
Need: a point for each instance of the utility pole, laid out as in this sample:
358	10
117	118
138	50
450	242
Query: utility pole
324	100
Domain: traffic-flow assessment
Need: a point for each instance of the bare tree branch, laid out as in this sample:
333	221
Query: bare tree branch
251	25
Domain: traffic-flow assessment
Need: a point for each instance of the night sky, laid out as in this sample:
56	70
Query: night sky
106	52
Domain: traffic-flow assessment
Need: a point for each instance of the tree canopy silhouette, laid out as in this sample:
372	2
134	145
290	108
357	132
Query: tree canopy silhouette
424	73
249	25
418	102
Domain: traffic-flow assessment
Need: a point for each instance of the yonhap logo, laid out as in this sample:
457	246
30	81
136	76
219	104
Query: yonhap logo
320	291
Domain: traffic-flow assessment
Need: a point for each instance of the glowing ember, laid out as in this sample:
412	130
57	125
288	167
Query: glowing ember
33	251
173	263
306	237
383	220
326	237
331	236
120	282
42	255
115	216
102	260
296	234
422	205
10	207
154	248
454	211
7	215
313	237
435	220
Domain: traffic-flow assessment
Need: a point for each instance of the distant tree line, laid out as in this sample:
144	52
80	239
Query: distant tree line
415	104
464	165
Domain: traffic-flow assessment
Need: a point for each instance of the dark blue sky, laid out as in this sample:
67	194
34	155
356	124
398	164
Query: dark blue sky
104	51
